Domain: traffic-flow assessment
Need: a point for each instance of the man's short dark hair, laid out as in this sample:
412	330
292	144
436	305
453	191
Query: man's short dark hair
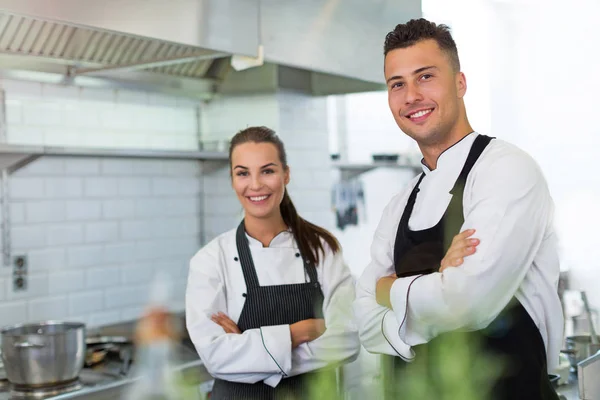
415	30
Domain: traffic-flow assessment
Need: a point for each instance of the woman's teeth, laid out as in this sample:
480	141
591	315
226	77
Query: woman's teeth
258	198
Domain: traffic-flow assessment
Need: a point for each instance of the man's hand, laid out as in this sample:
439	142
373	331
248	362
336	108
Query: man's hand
306	331
225	322
461	247
382	290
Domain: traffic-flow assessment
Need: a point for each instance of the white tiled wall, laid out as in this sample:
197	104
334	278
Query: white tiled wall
57	115
96	229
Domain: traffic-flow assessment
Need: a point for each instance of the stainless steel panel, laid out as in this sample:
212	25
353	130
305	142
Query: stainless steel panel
342	37
223	25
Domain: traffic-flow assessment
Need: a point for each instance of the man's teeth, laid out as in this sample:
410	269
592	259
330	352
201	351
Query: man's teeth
259	198
419	114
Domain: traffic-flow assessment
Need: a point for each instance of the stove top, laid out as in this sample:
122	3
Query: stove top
88	378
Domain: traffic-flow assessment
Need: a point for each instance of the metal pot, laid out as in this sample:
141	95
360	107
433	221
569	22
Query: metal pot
43	354
579	348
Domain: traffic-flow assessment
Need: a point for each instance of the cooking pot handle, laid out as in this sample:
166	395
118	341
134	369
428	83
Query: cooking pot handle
27	345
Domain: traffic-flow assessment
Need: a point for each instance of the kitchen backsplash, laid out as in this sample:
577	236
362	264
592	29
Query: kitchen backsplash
95	230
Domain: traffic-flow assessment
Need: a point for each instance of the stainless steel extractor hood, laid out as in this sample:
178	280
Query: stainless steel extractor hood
186	46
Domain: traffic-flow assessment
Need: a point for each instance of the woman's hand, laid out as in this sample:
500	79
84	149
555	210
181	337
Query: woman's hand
462	246
225	322
306	331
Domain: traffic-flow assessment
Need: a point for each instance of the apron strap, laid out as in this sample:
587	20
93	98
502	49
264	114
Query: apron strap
245	257
479	144
248	264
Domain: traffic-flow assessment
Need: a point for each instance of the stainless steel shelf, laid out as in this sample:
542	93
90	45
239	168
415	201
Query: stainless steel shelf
12	157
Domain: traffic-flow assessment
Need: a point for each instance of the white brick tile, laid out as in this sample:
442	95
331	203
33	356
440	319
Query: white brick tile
173	268
62	136
182	167
13	313
84	256
149	249
21	89
157	99
140	229
63	282
45	211
26	187
81	115
134	187
99	139
104	277
119	252
148	167
100	187
180	247
221	205
217	225
37	286
168	227
126	296
2	290
116	166
14	112
29	236
47	259
102	96
131	97
182	206
184	102
137	273
131	140
27	135
153	207
82	166
64	234
171	141
96	232
63	187
104	318
50	308
132	313
118	118
51	92
39	113
85	303
218	183
118	209
44	166
83	210
176	186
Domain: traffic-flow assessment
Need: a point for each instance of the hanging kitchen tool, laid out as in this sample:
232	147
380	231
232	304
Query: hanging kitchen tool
586	305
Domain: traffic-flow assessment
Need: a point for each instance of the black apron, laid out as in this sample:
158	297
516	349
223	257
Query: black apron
512	337
273	305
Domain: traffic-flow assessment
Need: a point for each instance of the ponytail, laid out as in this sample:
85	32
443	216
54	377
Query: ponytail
307	235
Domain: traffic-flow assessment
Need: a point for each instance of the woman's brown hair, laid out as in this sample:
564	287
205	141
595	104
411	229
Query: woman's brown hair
307	235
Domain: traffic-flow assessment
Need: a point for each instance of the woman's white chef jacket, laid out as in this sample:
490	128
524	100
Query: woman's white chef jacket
216	283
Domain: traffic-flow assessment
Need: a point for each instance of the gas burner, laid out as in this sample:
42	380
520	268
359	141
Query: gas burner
42	392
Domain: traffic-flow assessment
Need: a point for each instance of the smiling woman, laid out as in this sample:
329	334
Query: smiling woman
268	304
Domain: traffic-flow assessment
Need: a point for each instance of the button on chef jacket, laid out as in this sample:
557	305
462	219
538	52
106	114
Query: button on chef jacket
216	283
506	200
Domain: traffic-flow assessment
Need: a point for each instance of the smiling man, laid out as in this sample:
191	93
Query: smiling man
468	248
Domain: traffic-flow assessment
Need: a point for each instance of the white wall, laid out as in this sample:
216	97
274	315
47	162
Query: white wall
95	230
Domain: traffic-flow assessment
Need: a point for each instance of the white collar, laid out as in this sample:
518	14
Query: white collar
282	239
453	155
